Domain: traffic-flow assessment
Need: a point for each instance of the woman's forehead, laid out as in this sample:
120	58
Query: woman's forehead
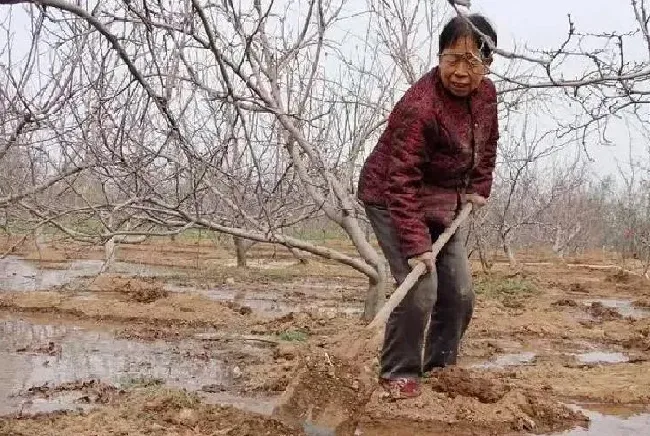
464	44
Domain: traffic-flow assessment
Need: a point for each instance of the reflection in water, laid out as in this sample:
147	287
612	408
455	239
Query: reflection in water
602	357
611	425
97	355
271	303
18	275
504	360
624	307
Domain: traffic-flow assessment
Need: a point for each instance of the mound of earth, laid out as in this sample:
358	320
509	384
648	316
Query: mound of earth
457	382
331	394
340	394
467	402
138	289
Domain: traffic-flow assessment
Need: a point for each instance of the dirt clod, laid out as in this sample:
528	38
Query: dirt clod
245	310
93	391
548	414
459	382
620	276
642	303
600	311
284	351
565	302
578	288
51	349
639	342
150	334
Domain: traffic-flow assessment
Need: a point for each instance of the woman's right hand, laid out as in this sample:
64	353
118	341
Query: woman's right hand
425	258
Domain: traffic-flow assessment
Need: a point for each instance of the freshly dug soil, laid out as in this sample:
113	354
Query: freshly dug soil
457	382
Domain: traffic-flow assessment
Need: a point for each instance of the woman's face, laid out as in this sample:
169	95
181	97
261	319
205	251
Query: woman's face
462	68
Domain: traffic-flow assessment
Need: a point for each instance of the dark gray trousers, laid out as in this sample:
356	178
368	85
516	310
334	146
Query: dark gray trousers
445	297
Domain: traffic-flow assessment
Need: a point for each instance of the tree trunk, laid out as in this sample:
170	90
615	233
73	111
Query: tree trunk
110	252
561	243
507	249
298	255
241	248
558	248
485	263
39	241
376	296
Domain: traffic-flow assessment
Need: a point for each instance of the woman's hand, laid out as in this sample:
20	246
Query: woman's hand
478	201
466	3
425	258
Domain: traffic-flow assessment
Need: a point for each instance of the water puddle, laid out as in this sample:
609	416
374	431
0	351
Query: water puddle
262	405
505	360
612	423
34	355
602	357
272	304
17	274
623	307
314	430
264	264
20	275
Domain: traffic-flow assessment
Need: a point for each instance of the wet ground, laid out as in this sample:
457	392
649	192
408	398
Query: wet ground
274	304
36	356
625	308
617	421
69	340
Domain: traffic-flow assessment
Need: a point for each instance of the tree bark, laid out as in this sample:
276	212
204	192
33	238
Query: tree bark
485	263
298	255
110	252
507	249
376	296
241	249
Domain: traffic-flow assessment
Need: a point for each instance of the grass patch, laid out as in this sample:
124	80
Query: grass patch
505	287
140	382
294	336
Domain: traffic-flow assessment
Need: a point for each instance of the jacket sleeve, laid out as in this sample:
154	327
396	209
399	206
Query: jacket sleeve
481	178
405	179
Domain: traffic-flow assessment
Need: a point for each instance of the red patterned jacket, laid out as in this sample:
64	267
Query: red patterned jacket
435	148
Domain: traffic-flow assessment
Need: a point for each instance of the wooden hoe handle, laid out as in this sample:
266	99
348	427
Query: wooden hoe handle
415	274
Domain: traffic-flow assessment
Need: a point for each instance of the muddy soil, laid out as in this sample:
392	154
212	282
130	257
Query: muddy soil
146	412
177	340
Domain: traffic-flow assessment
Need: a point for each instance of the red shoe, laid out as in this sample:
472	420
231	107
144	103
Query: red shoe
400	388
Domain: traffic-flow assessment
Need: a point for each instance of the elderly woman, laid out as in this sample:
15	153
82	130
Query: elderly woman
438	151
